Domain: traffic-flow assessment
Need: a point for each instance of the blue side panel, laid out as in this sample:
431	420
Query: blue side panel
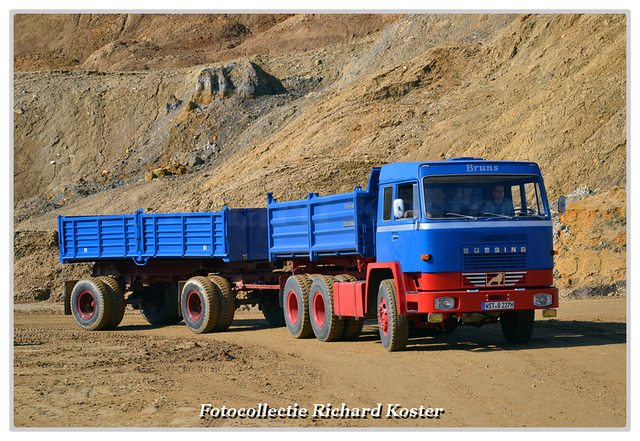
90	238
323	226
289	228
184	235
141	236
333	224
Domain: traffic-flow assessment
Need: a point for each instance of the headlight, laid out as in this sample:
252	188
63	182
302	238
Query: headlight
542	299
444	303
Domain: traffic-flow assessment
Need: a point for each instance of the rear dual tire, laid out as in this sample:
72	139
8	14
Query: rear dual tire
226	302
308	309
296	306
200	308
91	304
208	304
325	324
117	299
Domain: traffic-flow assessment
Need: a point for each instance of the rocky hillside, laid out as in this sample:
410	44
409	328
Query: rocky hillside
591	239
192	112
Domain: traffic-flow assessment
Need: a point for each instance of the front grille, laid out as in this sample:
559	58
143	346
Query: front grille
495	279
480	262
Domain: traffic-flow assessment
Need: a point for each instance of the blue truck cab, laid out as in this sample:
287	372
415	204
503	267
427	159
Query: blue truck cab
447	211
467	240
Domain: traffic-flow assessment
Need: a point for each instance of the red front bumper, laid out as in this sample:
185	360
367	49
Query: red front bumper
473	300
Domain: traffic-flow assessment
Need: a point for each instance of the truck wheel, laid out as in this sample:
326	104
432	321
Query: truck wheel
325	324
200	305
91	304
352	327
393	327
227	300
296	304
160	304
517	326
117	299
271	308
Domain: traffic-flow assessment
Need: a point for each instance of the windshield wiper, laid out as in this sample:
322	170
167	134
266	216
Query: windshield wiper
503	216
462	215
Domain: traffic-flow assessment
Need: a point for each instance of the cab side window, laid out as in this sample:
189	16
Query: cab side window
387	203
406	193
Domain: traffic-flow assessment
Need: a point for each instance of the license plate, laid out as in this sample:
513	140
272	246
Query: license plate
487	306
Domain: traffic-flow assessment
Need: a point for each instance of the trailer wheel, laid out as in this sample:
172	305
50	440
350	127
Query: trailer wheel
517	326
271	308
91	304
325	324
160	304
296	305
227	300
117	298
393	327
200	305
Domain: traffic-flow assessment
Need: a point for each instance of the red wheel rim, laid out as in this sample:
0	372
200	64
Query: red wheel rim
292	307
319	311
383	316
194	306
86	304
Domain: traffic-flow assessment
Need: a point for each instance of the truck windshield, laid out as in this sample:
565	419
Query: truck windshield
484	196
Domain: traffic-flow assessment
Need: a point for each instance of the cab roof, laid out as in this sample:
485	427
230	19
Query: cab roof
406	171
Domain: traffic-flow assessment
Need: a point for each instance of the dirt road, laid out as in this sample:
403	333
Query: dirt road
571	374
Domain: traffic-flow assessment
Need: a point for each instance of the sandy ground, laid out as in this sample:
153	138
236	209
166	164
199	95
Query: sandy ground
573	373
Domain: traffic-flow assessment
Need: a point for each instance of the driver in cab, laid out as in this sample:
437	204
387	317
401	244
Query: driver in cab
499	204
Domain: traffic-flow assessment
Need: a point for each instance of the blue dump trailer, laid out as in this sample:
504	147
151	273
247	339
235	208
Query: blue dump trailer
432	245
142	236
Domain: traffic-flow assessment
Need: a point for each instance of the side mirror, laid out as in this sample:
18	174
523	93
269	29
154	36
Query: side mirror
398	208
562	205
